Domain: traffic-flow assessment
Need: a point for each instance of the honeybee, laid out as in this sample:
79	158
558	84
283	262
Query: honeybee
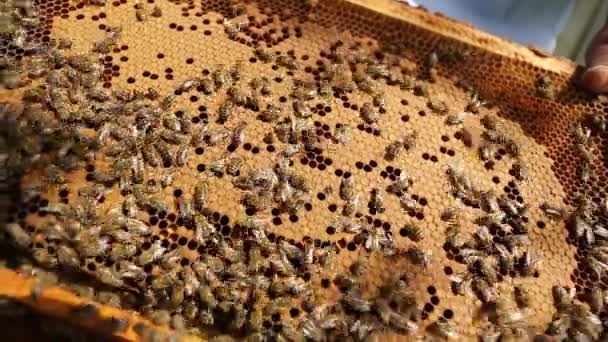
413	233
437	106
182	155
418	256
552	212
393	150
232	27
456	119
347	188
544	87
199	197
19	236
287	61
443	328
156	12
489	122
369	114
350	207
378	70
141	14
165	154
225	111
474	105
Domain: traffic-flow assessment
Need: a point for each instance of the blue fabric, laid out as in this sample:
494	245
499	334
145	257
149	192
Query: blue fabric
529	22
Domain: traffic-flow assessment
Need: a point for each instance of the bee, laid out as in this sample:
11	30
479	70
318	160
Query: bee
68	257
141	14
206	297
19	236
562	296
521	172
342	134
199	197
529	263
190	310
353	301
544	87
584	153
418	256
486	151
368	113
281	265
105	44
150	255
437	106
407	202
489	202
238	96
379	100
378	70
413	233
350	207
596	300
234	165
493	136
221	78
187	85
552	212
474	105
64	44
108	298
208	85
443	328
581	134
216	137
393	150
399	186
287	61
82	63
456	119
165	154
409	140
326	92
167	102
238	135
108	276
454	237
347	189
182	155
301	109
366	85
232	27
185	211
512	148
585	172
55	175
150	155
124	250
264	55
596	122
225	111
156	12
432	60
160	317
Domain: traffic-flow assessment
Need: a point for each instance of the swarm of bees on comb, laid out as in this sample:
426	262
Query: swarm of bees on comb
372	192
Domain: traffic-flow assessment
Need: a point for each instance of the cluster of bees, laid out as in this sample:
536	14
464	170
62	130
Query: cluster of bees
239	284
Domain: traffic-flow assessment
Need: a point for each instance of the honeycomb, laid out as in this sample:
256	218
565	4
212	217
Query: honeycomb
428	94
